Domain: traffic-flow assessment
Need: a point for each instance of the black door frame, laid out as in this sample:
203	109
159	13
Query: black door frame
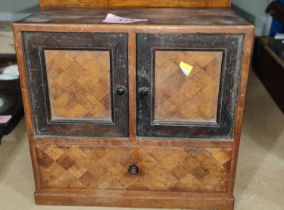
35	43
230	44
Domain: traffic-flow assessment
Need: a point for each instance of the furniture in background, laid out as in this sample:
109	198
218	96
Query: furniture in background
268	59
10	96
112	118
276	10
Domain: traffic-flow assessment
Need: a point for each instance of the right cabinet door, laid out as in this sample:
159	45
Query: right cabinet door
188	84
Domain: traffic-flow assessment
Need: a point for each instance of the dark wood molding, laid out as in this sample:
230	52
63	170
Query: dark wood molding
36	43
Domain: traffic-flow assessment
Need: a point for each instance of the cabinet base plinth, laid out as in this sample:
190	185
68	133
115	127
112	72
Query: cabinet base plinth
113	199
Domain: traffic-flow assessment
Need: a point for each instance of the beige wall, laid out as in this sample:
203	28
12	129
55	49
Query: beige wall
255	9
16	5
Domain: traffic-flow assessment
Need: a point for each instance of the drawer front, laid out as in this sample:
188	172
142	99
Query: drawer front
159	169
78	83
188	84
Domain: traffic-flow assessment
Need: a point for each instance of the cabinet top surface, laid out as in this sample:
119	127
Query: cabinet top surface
155	16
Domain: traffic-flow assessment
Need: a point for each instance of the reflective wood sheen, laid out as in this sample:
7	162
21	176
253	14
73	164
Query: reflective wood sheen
155	16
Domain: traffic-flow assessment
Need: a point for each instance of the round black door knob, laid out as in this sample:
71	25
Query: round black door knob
120	91
144	91
133	169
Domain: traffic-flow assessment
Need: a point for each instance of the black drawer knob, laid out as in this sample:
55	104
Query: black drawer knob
144	91
133	169
120	91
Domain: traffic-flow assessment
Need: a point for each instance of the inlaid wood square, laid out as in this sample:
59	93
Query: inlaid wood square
160	169
79	84
181	97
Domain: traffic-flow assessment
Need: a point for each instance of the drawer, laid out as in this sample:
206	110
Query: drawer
78	83
188	84
138	169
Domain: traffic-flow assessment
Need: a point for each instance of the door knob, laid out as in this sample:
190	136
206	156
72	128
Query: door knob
133	169
120	91
144	91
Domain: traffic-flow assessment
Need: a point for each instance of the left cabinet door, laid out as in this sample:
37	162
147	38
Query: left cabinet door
78	83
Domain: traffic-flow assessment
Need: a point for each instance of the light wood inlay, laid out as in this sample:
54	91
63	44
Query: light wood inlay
160	169
136	3
187	98
79	84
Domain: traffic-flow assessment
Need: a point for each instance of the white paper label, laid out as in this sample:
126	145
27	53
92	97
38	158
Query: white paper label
111	18
5	118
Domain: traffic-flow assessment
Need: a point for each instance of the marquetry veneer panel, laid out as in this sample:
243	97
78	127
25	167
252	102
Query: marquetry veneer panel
161	169
79	84
187	98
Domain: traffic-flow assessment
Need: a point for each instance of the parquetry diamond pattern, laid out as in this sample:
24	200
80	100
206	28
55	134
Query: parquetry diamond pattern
171	169
182	98
79	84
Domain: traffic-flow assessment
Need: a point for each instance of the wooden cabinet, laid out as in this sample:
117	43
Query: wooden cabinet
112	118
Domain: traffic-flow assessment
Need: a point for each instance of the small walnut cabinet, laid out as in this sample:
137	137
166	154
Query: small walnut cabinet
113	120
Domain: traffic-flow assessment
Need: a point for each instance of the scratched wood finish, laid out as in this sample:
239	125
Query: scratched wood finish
228	48
135	3
187	98
217	22
124	198
164	16
79	84
92	66
160	169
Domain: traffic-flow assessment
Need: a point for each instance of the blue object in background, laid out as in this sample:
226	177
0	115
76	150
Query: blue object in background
276	26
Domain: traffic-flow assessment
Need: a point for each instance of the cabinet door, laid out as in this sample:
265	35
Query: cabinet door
188	84
78	83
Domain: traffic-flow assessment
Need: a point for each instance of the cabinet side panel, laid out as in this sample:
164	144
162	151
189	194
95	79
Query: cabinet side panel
246	60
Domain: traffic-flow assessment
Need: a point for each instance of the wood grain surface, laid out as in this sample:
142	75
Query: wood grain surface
228	44
79	84
155	16
160	169
202	155
135	3
187	98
